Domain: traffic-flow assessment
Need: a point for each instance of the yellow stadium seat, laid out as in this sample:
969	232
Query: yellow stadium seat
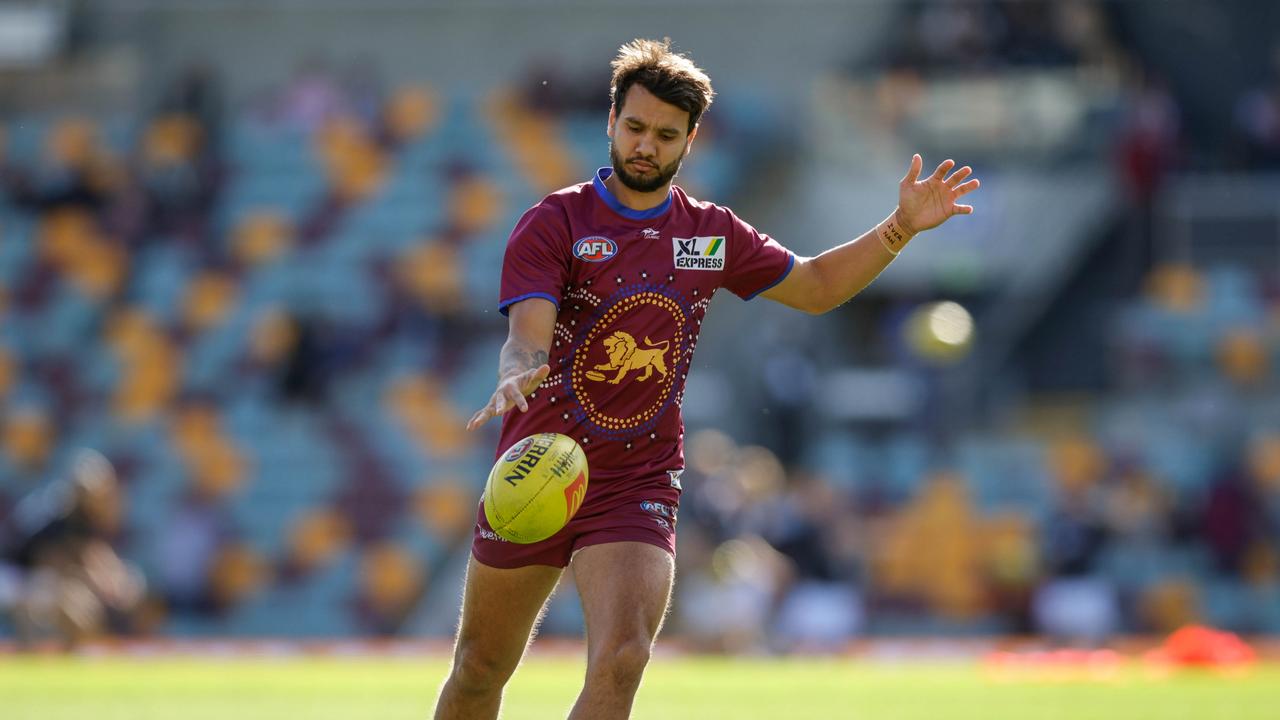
274	336
210	298
446	508
1264	462
28	437
1242	356
475	204
236	573
432	273
390	577
261	237
8	370
1077	463
216	466
1177	288
354	165
171	139
1169	605
317	537
73	142
411	113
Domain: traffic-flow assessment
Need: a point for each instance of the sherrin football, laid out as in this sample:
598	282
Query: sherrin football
535	487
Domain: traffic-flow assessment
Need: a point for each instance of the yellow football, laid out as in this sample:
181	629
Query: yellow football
535	487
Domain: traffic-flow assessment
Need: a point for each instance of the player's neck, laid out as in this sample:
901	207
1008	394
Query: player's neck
639	201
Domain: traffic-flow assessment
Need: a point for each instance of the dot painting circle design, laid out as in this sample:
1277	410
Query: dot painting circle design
583	375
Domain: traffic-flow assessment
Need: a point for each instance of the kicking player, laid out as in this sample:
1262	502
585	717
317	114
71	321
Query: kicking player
605	285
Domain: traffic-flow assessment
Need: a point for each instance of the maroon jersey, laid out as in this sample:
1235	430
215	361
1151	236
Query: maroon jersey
632	288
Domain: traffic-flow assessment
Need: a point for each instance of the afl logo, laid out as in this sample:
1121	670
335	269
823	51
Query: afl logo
517	450
596	248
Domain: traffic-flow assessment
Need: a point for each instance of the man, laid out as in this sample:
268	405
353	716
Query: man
60	577
605	285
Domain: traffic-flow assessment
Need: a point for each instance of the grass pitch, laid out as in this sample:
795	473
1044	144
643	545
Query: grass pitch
403	688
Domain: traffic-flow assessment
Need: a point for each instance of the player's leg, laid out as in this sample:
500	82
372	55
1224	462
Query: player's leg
625	588
499	608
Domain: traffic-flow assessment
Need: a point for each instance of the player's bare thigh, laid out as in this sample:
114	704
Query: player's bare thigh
625	589
499	608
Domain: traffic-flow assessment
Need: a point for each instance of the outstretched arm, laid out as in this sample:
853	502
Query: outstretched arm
822	283
522	364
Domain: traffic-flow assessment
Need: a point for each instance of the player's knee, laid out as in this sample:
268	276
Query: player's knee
478	672
623	663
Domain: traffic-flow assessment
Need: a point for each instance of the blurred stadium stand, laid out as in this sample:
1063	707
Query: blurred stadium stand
260	280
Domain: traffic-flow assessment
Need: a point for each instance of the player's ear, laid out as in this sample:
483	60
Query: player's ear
688	143
612	118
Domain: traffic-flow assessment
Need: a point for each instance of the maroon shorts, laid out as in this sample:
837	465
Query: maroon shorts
615	510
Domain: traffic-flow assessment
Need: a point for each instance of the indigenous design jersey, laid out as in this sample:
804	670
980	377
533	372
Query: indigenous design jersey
632	288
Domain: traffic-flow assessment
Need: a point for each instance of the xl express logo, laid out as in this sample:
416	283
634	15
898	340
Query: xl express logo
699	253
596	248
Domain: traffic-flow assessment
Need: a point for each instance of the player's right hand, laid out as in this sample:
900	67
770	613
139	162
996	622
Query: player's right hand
510	394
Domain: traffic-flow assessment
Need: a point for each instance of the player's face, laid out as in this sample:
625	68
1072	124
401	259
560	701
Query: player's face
648	140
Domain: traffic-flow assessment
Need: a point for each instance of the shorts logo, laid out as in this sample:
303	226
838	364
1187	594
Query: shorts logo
596	248
675	478
491	535
704	252
656	508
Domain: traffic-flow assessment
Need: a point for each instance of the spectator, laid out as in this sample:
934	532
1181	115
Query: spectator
822	608
1257	121
1076	604
65	580
191	539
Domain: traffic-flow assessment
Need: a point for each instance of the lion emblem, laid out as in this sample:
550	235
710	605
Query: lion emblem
626	355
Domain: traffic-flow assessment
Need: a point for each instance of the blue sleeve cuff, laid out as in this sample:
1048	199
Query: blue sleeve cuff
505	305
791	261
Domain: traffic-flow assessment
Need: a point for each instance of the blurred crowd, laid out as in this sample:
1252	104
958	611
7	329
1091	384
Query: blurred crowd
1256	121
239	342
983	36
177	295
779	559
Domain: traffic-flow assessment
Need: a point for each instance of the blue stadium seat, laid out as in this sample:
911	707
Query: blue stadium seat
906	464
1133	566
843	457
59	330
17	245
316	605
161	274
255	145
1226	603
1233	297
1005	474
26	139
476	378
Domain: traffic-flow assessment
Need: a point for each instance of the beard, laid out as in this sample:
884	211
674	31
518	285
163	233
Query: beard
642	183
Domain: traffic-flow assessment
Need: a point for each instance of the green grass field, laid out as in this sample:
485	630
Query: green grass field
382	688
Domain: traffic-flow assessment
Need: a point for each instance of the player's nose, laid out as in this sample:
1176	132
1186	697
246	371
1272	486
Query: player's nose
646	147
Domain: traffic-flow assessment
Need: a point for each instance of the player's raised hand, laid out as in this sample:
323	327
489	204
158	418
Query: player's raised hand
927	203
510	394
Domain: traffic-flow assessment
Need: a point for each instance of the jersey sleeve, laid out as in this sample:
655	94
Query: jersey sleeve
536	263
756	261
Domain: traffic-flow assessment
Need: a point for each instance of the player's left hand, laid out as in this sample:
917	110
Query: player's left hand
927	203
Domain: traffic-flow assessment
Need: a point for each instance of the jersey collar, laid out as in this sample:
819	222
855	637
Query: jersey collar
616	205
